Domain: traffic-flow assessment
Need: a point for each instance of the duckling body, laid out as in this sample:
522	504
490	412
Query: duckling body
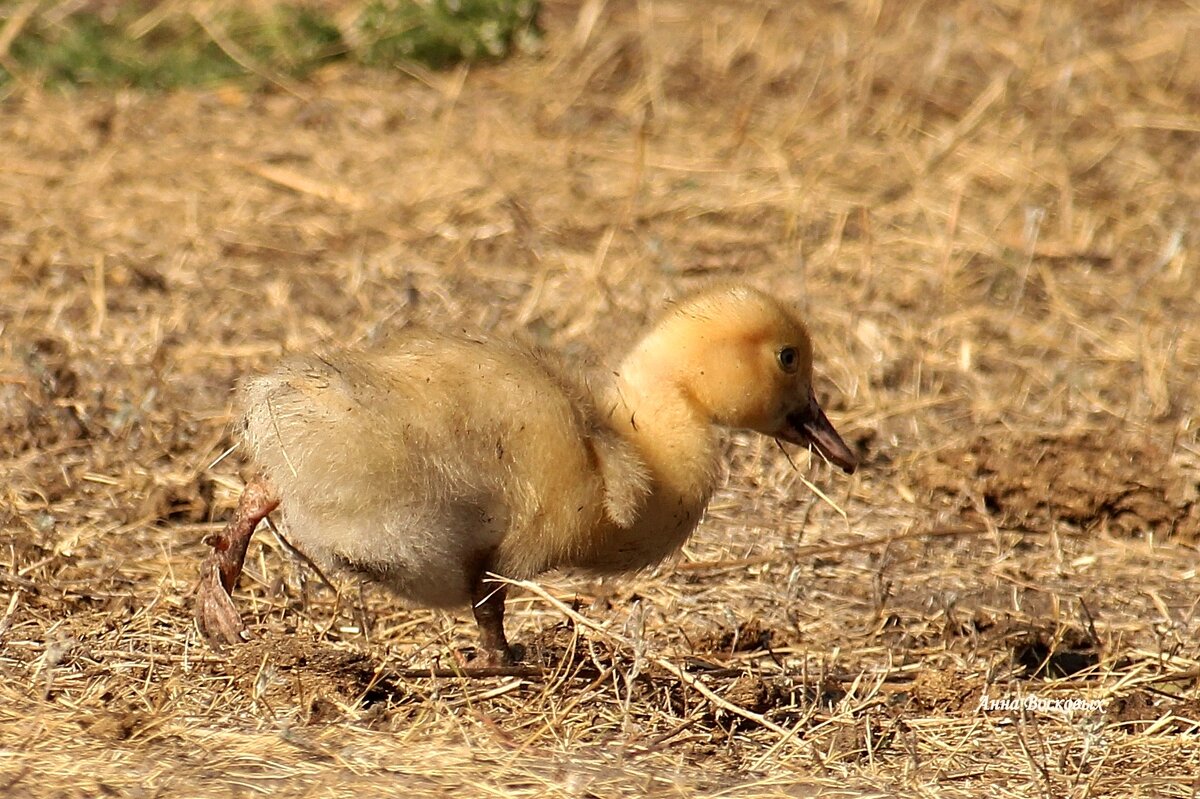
424	461
438	458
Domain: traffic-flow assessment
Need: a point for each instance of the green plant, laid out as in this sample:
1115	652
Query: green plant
115	45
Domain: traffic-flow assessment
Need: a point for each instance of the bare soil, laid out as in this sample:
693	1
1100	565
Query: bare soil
1102	478
989	215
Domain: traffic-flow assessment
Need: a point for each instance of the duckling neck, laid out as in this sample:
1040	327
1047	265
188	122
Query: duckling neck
679	445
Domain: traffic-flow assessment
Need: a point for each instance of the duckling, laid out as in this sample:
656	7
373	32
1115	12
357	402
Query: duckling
437	459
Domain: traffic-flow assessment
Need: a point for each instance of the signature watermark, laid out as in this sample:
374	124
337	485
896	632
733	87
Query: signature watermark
1032	703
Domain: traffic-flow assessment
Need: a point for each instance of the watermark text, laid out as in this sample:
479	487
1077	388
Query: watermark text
1031	703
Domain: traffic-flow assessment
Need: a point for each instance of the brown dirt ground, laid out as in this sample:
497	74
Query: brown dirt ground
989	212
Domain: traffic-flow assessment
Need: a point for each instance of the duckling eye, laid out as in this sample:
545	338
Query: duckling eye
789	359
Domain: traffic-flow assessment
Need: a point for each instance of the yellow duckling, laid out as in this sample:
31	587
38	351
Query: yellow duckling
437	459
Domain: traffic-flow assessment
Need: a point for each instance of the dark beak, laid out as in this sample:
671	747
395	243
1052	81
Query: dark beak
810	427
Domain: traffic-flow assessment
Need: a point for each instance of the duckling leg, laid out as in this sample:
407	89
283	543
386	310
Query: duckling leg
487	601
216	616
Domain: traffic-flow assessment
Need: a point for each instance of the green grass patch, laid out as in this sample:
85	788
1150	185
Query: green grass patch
156	46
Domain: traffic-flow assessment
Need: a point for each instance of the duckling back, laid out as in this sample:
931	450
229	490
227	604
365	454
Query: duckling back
435	456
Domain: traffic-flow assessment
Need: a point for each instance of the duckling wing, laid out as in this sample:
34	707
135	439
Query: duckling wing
620	466
626	478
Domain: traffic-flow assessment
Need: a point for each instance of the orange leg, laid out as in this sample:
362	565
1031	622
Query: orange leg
216	616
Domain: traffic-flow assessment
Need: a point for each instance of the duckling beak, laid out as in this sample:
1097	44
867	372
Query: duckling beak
810	427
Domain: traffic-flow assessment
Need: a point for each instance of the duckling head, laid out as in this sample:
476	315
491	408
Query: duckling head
743	360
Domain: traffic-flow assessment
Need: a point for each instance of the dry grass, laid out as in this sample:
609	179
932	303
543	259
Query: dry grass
990	213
